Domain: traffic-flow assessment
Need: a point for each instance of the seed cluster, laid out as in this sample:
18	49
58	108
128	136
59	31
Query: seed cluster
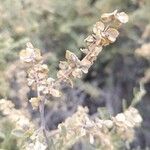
104	32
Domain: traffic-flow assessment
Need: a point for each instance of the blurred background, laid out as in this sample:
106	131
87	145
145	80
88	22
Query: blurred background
56	25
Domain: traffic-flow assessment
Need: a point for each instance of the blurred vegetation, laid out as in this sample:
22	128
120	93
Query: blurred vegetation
56	25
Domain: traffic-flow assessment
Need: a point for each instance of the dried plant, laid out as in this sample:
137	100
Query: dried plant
104	33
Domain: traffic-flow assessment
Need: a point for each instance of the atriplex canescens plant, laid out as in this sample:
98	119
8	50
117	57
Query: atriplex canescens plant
105	32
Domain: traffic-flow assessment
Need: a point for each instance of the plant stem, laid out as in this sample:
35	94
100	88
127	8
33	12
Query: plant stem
41	109
43	122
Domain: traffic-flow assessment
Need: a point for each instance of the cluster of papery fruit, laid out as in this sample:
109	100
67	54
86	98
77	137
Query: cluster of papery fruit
80	125
104	32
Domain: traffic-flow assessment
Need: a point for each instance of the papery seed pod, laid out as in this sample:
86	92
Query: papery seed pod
27	55
107	17
84	50
90	40
42	75
77	73
55	93
30	81
108	123
35	101
50	81
71	56
85	65
38	56
43	68
30	55
63	65
112	34
61	74
122	17
98	27
120	117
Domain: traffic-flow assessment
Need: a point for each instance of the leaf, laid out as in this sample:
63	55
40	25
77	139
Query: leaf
18	133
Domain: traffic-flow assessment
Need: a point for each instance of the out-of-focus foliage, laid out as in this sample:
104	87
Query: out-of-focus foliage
57	25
